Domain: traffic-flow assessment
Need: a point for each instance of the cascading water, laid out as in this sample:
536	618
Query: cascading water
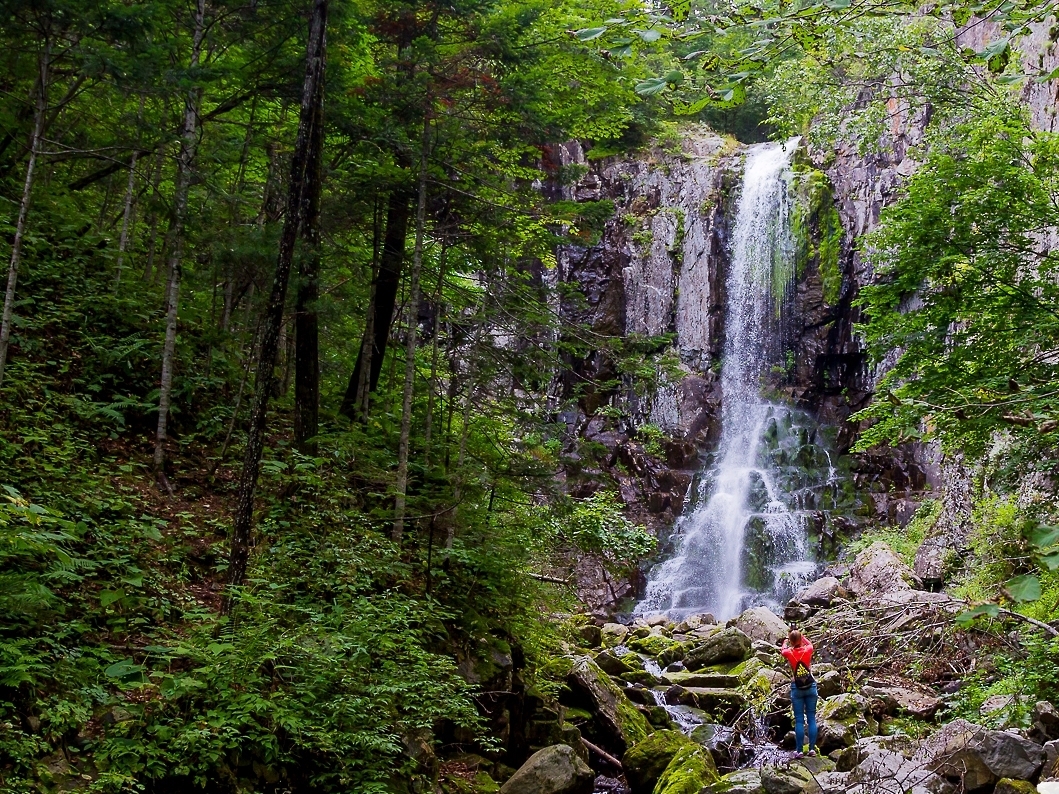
744	539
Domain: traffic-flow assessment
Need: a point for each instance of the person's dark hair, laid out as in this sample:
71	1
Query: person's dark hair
795	637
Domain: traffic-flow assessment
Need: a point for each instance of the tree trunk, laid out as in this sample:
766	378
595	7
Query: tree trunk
428	424
244	510
387	283
306	320
175	244
39	114
126	219
410	349
148	275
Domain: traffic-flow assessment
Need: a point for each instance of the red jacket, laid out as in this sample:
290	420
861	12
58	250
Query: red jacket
802	653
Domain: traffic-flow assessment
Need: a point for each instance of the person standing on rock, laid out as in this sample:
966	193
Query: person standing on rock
798	651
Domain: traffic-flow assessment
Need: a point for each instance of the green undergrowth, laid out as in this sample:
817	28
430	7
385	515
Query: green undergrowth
903	540
342	650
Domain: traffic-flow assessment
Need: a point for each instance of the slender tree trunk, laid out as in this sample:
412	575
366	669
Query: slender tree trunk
306	320
175	245
428	424
126	219
152	237
387	283
244	510
457	492
410	349
39	114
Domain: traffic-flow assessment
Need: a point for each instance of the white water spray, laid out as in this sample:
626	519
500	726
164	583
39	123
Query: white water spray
742	511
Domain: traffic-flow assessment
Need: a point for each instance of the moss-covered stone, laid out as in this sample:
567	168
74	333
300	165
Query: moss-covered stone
645	762
1008	786
691	770
615	722
745	781
659	647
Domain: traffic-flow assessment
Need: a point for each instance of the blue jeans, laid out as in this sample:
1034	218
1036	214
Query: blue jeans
804	702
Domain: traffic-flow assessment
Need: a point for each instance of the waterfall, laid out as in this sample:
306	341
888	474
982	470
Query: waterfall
743	541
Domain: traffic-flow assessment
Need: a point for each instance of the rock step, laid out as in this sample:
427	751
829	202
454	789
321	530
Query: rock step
707	680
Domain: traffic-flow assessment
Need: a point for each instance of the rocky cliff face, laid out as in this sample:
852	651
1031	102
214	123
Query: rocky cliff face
657	279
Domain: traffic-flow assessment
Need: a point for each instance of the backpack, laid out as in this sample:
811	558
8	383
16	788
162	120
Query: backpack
803	679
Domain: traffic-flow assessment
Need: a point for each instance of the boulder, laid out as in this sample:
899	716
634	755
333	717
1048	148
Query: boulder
645	762
686	678
796	611
855	754
885	772
828	683
761	623
822	593
615	724
1051	759
1045	721
828	783
744	781
722	742
662	648
1009	786
693	622
728	645
877	570
657	619
726	704
553	770
842	720
904	699
1007	754
590	635
979	757
612	664
785	779
613	634
691	770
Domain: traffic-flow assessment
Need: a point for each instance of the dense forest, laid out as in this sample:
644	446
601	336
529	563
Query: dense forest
318	443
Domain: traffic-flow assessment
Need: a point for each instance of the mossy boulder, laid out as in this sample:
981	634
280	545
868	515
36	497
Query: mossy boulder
1009	786
645	762
842	720
729	645
785	779
615	724
613	634
745	781
691	770
660	647
702	678
553	770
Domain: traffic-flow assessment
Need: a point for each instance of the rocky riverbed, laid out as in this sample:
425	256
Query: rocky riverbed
691	707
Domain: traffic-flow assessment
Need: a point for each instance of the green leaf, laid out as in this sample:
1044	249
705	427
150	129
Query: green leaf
651	86
650	36
1043	536
124	670
108	597
675	77
837	5
588	34
967	617
1023	588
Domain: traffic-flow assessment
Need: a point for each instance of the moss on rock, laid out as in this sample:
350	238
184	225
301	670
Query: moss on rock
691	770
646	761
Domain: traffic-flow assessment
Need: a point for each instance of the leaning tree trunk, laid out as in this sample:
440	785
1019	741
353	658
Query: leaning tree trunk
306	320
312	95
126	219
39	114
410	349
175	245
384	300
